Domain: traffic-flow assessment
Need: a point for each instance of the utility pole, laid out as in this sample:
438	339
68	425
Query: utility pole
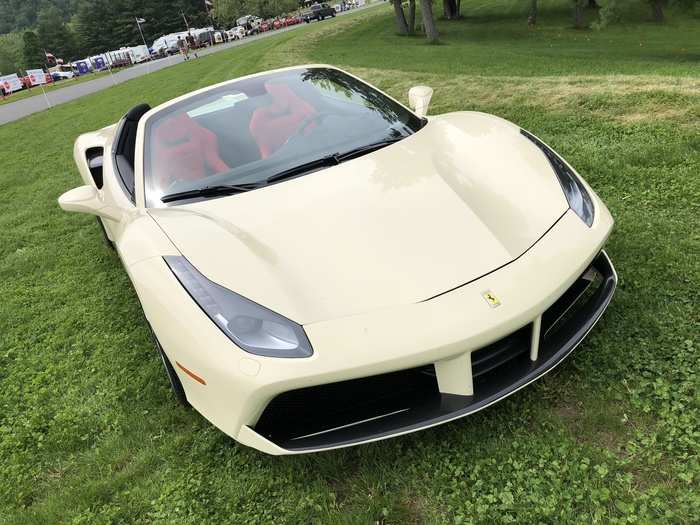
140	21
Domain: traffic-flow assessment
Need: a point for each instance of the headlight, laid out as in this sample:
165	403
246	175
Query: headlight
577	196
252	327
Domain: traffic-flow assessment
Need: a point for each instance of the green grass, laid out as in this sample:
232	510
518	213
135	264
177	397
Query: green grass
493	39
50	88
89	432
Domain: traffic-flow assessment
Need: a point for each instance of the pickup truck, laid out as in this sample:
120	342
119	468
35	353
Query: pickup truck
318	12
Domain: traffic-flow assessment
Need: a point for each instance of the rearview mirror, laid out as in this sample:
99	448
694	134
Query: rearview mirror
419	99
86	199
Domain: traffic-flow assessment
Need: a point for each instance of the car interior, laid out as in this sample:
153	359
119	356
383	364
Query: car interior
187	148
274	124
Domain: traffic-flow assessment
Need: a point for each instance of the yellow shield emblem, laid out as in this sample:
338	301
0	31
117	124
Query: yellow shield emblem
491	299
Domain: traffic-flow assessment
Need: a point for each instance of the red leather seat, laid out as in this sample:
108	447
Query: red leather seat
273	125
185	151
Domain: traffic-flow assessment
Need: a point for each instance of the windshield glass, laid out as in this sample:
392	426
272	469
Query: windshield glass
250	130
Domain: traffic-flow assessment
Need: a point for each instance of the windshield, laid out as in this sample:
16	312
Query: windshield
248	131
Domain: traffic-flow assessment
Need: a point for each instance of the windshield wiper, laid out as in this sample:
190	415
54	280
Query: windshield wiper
330	160
211	191
367	148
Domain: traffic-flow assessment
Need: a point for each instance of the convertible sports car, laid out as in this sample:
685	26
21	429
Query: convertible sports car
321	266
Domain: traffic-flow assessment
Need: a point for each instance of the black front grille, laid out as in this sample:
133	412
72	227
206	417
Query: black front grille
497	354
350	412
307	411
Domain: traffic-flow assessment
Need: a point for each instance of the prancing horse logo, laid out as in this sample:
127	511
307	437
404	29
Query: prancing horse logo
491	299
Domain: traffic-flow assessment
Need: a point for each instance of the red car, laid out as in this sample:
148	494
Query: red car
277	23
291	20
265	26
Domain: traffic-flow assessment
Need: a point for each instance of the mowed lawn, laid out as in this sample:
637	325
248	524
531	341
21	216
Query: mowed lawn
90	433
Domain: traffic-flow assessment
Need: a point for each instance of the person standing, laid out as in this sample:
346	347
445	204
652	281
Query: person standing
182	46
190	44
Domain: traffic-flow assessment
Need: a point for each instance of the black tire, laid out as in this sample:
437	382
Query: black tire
175	383
104	233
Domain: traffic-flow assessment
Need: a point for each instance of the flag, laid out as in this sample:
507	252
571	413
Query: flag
140	20
50	59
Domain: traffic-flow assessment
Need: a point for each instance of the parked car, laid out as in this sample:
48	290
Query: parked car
277	23
322	266
319	12
62	75
250	23
236	33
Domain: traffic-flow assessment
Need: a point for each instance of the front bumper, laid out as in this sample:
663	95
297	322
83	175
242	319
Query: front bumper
243	392
367	409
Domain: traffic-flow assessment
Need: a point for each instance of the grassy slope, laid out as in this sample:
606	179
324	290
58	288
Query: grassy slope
90	433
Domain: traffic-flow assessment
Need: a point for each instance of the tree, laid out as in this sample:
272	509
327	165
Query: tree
228	11
657	10
54	35
411	17
33	55
431	32
10	52
401	25
93	36
450	9
532	17
578	13
162	17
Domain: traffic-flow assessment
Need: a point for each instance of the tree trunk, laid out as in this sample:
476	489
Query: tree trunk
532	18
411	16
449	8
578	15
431	32
657	11
401	25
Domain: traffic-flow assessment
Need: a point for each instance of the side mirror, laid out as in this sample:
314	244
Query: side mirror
86	199
419	99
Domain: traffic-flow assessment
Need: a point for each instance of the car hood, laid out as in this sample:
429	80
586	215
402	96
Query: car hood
458	199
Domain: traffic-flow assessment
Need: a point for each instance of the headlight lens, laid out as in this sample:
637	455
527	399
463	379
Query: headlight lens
252	327
579	199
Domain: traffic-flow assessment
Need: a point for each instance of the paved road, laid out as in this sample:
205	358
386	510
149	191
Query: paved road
22	108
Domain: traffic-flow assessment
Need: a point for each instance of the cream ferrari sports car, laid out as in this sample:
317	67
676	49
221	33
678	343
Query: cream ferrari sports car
322	266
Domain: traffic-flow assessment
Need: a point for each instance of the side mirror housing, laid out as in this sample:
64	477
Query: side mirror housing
419	99
86	199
